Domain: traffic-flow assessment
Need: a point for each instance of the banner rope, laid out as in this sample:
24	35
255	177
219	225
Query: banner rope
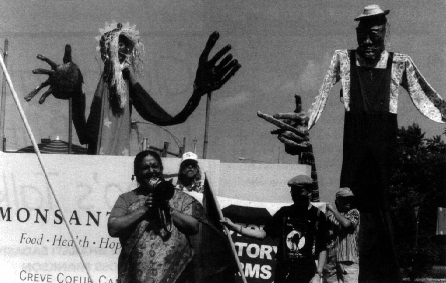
39	156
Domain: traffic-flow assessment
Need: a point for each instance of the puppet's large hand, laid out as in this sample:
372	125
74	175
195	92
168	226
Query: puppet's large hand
65	80
293	130
211	76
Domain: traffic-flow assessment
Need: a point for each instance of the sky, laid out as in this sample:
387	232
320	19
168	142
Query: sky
284	48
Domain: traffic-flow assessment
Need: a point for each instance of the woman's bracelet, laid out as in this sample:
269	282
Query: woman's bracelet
241	227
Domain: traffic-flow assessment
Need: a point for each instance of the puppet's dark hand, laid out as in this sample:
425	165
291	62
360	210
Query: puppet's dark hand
212	74
64	81
292	132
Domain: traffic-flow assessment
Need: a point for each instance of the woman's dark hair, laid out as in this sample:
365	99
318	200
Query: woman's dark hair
140	157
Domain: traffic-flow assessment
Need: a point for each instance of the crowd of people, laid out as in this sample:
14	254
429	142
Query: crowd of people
160	232
160	225
353	240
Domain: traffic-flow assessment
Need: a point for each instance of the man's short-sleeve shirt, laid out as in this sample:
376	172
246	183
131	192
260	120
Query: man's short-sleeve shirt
299	232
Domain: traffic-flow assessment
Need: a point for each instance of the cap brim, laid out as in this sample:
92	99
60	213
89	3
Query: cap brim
190	161
307	187
362	16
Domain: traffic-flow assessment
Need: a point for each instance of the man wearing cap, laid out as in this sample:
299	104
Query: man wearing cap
299	227
189	174
345	221
212	261
371	77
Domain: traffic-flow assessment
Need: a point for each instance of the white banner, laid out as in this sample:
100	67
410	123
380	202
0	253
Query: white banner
36	246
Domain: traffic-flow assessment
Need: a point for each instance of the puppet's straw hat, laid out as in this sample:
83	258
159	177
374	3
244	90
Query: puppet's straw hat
372	11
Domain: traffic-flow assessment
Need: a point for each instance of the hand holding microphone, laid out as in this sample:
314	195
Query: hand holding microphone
158	200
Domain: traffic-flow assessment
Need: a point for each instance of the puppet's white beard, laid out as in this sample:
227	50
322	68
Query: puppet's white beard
118	81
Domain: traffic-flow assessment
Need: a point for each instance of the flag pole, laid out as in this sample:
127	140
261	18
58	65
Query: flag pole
39	156
206	125
3	100
228	234
70	125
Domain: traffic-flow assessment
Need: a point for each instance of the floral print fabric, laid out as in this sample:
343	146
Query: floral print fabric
150	254
404	73
196	186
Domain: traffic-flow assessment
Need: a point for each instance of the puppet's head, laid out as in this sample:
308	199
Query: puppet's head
120	48
372	32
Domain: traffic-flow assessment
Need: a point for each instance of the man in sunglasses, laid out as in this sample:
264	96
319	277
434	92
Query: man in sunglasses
189	175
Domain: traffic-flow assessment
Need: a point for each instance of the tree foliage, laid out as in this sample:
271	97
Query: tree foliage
418	179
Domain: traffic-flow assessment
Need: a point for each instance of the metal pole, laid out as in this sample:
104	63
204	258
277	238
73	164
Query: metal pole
195	145
165	148
144	143
206	125
183	148
70	126
3	99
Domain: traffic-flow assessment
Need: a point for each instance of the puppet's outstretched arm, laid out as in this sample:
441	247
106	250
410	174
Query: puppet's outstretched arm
211	75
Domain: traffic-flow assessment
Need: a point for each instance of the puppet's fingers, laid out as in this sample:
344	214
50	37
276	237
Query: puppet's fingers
45	95
230	72
67	55
299	130
36	90
223	63
43	71
209	45
303	146
290	135
51	63
277	132
293	116
220	54
293	137
224	70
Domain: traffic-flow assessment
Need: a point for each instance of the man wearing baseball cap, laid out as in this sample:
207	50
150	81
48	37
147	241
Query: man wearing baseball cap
299	227
189	174
345	221
212	259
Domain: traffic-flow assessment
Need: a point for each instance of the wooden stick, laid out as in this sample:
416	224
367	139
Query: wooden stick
3	101
228	234
206	125
39	156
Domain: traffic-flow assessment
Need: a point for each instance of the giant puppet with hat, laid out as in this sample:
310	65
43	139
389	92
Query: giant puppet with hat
371	77
107	129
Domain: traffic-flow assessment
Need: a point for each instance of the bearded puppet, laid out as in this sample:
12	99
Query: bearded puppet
107	129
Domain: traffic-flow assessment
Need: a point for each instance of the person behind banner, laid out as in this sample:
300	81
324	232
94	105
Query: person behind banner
209	244
346	226
190	175
299	227
152	223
